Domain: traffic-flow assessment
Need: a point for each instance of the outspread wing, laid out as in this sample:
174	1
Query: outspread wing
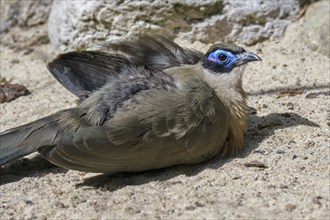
86	71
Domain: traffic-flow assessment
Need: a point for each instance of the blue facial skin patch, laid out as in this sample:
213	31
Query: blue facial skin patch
214	56
223	58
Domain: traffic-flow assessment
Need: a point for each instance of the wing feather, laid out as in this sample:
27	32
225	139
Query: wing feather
83	72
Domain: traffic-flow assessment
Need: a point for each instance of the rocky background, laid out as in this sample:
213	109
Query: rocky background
78	25
73	24
284	169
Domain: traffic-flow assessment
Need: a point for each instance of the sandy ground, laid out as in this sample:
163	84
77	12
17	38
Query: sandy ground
287	134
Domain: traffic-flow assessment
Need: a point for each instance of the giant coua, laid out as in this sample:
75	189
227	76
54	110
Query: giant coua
146	104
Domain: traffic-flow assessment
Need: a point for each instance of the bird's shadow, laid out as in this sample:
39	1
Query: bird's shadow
37	166
259	129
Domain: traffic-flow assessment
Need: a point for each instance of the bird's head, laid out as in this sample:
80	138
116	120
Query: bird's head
223	58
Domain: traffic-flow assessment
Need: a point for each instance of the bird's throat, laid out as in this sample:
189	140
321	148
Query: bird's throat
229	90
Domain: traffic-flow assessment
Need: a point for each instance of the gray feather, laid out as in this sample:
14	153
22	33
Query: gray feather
26	139
84	72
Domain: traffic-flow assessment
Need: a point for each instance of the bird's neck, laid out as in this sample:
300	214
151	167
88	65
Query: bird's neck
229	90
228	86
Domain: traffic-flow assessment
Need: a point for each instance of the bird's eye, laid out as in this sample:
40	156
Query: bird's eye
222	57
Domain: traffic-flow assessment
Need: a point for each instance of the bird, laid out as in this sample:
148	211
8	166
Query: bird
145	103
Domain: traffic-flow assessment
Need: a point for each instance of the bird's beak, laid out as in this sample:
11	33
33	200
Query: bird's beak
246	57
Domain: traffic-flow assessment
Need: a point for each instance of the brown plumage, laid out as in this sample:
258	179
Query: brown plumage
146	104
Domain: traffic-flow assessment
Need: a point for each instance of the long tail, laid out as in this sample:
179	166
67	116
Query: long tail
20	141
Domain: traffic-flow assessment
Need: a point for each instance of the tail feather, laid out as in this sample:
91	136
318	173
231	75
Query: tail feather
21	141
